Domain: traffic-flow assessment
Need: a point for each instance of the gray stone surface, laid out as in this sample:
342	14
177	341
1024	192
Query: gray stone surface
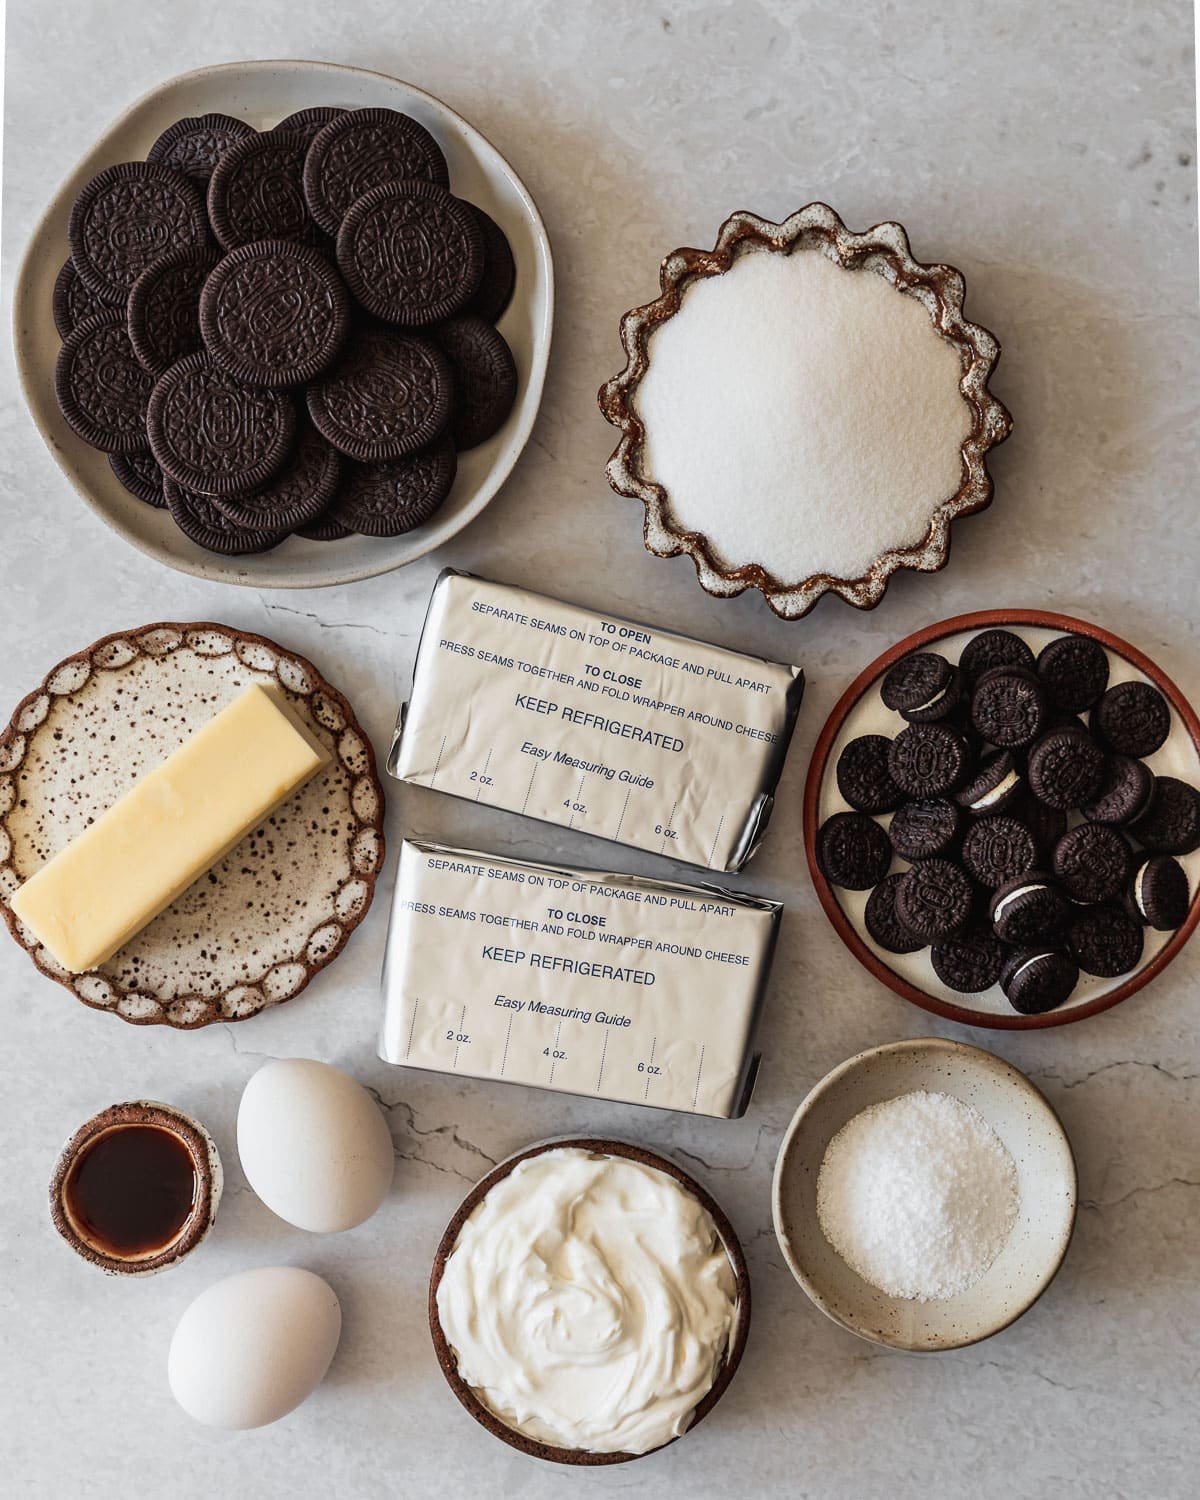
1046	150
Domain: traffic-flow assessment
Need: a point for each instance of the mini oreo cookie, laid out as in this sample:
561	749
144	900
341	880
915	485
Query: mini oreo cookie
485	379
970	962
362	149
1171	824
1157	894
297	496
995	788
411	253
882	923
215	436
125	217
1074	671
388	499
274	313
853	851
1065	768
1092	862
1008	708
928	760
922	687
863	777
140	475
1038	979
994	648
163	310
387	396
194	146
72	301
999	849
495	289
201	522
102	390
1027	910
1124	793
921	830
934	900
256	192
1105	941
1132	718
307	122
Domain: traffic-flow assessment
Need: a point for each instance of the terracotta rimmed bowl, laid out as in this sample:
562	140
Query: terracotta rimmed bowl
860	711
206	1163
263	92
1031	1132
279	907
882	250
601	1146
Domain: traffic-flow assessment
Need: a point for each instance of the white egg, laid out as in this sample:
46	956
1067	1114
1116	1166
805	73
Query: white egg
314	1145
251	1348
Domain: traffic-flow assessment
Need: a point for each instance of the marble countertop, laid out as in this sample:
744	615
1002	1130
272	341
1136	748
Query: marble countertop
1048	152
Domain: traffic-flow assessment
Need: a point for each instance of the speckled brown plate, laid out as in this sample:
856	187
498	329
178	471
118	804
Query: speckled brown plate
601	1147
883	251
275	910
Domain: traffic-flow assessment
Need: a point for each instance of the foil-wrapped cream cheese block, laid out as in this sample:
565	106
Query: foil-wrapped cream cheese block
614	986
586	720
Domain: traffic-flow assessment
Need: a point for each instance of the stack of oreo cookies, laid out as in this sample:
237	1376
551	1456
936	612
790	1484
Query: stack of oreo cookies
284	331
1039	844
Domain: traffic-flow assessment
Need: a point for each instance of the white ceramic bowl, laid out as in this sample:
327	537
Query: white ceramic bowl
263	93
1033	1136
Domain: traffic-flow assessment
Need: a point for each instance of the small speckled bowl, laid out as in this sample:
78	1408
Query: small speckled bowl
881	251
600	1147
1034	1138
210	1179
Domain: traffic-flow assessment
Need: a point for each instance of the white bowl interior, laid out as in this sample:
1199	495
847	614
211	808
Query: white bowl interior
1030	1131
1178	757
263	93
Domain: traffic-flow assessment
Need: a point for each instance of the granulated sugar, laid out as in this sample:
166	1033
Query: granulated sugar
803	416
918	1195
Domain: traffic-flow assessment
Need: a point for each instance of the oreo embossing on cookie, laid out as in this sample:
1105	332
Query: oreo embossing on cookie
1171	823
921	687
255	192
1124	792
387	396
1105	941
993	648
863	777
928	760
853	851
140	475
1092	862
1132	718
1065	768
922	829
998	849
163	311
970	962
388	499
1038	979
1074	671
934	899
362	149
128	215
194	146
101	388
1008	708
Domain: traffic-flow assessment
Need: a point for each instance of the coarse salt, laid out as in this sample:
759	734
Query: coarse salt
803	416
918	1195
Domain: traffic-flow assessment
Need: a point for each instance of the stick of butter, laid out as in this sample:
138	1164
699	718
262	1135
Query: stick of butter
168	829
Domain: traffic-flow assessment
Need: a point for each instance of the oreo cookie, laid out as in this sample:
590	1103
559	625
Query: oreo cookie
297	496
387	396
1074	671
102	390
922	688
1028	910
140	475
213	435
194	146
1008	708
1105	941
125	217
1092	863
882	923
928	760
921	830
411	253
256	191
1065	768
72	301
360	150
307	122
934	899
853	851
495	289
1171	824
1157	894
970	962
994	789
485	379
991	649
274	313
1132	718
163	310
1124	793
863	777
1036	980
997	850
388	499
324	529
201	522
